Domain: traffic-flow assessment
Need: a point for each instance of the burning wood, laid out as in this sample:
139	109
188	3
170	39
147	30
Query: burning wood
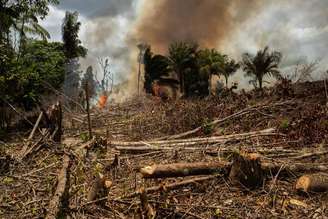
102	101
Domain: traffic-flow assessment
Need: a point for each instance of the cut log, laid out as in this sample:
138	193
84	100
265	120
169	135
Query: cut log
60	200
184	169
312	183
246	171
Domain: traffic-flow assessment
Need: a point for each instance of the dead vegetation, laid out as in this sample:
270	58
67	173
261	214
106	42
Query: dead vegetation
244	156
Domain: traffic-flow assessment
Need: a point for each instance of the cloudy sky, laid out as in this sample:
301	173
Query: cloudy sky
297	28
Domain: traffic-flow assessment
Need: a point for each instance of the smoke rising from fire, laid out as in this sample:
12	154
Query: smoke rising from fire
207	22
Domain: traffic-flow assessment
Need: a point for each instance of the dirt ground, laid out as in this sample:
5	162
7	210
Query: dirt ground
299	118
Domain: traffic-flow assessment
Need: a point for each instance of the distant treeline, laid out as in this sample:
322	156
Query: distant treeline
193	68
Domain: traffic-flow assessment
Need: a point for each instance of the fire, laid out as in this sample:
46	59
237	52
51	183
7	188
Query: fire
102	101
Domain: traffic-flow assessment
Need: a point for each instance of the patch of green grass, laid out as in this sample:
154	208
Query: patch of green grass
84	137
284	124
8	180
207	127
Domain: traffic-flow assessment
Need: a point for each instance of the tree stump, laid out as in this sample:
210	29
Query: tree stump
97	188
54	117
246	171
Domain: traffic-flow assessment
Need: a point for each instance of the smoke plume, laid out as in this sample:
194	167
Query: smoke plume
206	22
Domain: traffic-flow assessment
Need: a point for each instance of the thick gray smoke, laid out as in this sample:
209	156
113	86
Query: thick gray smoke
207	22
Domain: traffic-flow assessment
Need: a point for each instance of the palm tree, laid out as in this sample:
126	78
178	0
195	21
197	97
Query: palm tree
229	68
26	24
155	66
261	65
210	63
182	56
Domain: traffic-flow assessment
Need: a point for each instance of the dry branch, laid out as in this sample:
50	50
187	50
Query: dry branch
171	186
197	141
36	125
312	183
184	169
60	200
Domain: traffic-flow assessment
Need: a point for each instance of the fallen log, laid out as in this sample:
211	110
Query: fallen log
250	161
184	169
60	200
246	170
312	183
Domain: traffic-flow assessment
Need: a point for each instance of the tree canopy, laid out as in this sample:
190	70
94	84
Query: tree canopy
264	63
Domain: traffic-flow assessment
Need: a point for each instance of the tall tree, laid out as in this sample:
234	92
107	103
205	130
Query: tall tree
73	50
70	31
264	63
182	56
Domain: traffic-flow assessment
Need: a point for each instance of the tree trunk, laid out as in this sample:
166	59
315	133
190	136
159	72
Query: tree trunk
260	79
246	171
88	109
184	169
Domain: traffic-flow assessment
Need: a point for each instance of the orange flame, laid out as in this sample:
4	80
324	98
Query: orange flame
102	101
